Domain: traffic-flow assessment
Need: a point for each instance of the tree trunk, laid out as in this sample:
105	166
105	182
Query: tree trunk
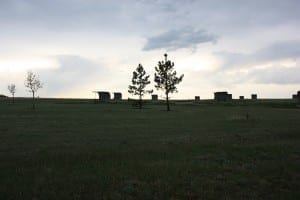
33	103
168	105
13	98
140	101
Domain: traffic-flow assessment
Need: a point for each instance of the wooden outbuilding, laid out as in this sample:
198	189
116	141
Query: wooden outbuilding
104	96
296	97
222	96
154	97
254	96
117	96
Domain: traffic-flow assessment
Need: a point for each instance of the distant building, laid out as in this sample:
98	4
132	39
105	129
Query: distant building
222	96
117	96
242	98
254	96
197	98
296	97
104	96
154	97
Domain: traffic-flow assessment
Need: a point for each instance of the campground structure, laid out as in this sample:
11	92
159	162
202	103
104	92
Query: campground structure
222	96
296	96
105	96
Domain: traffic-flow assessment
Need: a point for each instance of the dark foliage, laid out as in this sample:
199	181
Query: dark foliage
139	82
166	79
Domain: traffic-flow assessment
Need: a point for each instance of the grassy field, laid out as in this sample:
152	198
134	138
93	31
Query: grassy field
74	149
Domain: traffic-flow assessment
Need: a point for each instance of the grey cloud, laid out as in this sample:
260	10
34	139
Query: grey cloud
279	75
236	14
276	75
277	51
145	16
73	71
186	37
61	15
229	17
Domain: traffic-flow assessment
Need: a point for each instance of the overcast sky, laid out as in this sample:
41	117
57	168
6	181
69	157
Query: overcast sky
78	46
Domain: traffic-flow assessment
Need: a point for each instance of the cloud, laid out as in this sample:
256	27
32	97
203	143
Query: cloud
73	72
61	15
272	53
186	37
143	16
280	76
279	50
276	75
274	64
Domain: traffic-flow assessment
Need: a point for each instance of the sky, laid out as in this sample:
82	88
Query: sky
80	46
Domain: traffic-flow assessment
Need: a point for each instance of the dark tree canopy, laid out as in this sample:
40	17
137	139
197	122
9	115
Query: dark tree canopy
139	82
166	79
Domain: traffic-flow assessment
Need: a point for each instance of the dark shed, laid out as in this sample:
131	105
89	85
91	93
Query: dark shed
222	96
154	97
117	96
104	96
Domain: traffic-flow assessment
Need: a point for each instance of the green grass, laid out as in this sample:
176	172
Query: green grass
74	149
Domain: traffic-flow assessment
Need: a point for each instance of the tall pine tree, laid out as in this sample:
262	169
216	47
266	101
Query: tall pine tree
139	82
166	79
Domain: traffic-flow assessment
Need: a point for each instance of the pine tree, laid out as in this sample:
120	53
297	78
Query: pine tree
139	82
166	79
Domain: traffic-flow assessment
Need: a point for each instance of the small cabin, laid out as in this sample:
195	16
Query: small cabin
254	96
222	96
296	97
242	97
197	98
154	97
104	96
117	96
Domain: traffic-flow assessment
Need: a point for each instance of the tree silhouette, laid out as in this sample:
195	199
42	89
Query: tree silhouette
139	82
166	79
12	89
33	83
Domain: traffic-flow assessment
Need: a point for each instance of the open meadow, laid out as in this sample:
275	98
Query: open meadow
75	149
